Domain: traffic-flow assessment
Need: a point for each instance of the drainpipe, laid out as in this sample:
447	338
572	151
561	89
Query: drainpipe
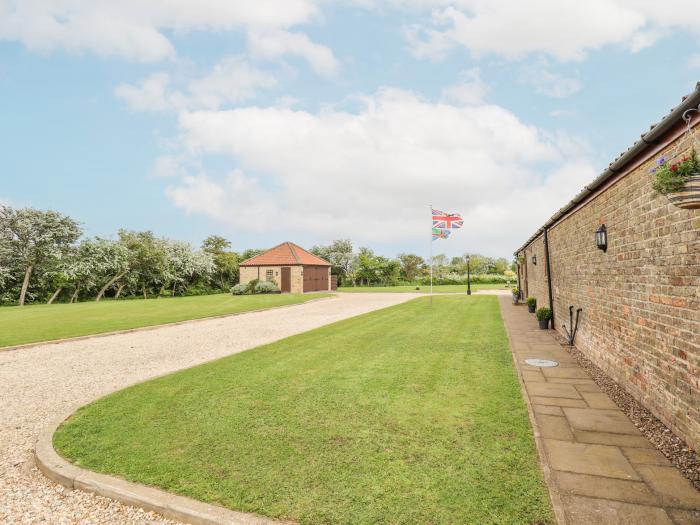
549	272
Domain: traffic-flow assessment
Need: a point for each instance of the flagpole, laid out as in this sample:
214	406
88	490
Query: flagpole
431	255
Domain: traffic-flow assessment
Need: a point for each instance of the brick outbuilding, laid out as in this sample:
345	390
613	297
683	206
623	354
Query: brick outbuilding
290	267
640	296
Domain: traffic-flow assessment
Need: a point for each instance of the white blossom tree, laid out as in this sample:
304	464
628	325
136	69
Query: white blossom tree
35	237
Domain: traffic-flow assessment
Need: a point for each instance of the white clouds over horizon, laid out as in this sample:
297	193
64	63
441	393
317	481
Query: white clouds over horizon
563	29
370	175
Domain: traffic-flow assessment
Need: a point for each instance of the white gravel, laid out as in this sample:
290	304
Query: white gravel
40	383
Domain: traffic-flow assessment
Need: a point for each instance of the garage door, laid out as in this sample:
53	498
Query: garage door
315	278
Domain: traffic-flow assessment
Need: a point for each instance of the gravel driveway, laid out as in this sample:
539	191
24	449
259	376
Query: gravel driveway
37	384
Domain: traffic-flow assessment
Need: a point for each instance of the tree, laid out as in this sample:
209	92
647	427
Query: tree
225	261
411	265
148	259
100	261
186	266
35	237
339	253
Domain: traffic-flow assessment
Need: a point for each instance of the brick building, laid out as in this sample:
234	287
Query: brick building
640	299
290	267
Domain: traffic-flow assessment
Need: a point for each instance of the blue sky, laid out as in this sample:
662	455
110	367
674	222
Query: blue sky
308	121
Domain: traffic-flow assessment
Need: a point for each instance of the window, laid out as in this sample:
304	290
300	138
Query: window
268	275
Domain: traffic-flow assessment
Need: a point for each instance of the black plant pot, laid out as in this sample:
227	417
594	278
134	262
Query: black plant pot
531	308
544	324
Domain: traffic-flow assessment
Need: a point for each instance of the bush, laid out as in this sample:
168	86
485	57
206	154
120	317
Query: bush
531	301
239	289
543	314
265	287
670	178
515	290
252	284
479	278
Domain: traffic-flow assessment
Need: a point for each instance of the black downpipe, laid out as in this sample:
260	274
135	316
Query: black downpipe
549	273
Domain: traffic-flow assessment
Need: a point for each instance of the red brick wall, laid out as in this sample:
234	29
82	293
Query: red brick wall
641	300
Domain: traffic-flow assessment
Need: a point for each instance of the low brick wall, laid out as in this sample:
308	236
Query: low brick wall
640	299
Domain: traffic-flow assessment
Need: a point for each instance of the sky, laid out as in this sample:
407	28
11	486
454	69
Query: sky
312	120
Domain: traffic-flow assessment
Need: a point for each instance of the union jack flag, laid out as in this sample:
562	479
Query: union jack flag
440	233
447	221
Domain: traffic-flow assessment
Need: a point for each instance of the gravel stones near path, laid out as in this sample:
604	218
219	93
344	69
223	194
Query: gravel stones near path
670	445
37	384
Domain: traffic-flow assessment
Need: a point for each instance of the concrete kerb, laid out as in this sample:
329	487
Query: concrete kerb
171	506
554	496
157	326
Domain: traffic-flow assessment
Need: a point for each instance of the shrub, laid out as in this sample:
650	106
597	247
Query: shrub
239	289
252	284
543	314
515	290
531	301
265	287
670	178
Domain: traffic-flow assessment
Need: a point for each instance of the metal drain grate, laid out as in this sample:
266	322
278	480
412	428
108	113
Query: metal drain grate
541	363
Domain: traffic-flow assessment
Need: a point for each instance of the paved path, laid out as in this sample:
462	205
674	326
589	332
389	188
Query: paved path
601	469
37	384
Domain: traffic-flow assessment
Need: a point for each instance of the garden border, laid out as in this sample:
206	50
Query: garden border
171	506
156	326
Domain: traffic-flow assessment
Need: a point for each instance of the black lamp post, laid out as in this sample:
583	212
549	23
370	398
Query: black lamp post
534	259
601	238
469	284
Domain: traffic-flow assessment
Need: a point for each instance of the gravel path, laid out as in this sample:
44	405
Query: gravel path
38	384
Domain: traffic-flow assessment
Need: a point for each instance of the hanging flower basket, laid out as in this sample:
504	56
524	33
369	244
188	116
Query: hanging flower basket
689	197
680	181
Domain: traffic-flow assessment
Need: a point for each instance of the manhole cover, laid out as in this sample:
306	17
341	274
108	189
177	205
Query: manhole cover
542	363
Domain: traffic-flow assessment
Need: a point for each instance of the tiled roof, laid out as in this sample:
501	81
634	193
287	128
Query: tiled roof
285	254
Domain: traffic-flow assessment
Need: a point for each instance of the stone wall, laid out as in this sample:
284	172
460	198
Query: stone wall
641	299
248	273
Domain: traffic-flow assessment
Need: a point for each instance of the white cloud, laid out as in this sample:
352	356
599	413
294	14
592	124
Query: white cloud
134	29
231	81
471	89
275	44
549	82
148	95
370	175
564	29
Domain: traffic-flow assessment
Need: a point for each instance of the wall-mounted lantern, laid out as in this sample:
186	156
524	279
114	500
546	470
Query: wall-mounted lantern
534	259
601	238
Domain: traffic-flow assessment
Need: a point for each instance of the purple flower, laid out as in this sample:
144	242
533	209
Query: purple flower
661	160
652	170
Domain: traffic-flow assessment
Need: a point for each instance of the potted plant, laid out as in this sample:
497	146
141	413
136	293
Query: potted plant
679	181
543	316
531	303
516	295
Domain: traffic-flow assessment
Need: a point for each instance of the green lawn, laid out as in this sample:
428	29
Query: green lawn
411	414
442	288
30	324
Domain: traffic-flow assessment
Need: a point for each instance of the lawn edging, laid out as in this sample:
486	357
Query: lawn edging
156	326
171	506
554	496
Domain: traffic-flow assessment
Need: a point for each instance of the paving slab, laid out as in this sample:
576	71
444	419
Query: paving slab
594	511
569	373
548	410
553	390
673	489
619	440
606	488
598	400
554	427
599	420
558	401
583	458
645	456
599	468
